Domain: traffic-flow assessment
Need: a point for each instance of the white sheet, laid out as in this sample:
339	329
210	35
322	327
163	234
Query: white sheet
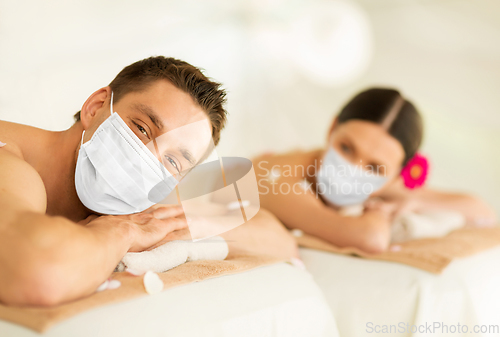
361	291
277	300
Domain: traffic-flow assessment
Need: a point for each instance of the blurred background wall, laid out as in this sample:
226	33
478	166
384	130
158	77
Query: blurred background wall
288	66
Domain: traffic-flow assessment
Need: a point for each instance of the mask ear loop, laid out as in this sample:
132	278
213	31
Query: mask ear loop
81	141
111	103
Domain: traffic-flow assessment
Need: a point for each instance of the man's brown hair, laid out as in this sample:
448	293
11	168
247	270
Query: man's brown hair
207	94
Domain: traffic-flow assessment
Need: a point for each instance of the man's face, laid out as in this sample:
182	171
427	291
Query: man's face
167	120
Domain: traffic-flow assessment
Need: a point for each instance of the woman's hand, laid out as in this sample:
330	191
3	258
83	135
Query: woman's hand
476	211
404	200
395	207
384	207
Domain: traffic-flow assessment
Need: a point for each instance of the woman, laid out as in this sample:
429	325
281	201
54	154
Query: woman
369	144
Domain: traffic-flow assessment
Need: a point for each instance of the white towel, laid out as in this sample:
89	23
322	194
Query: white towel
428	224
412	226
174	253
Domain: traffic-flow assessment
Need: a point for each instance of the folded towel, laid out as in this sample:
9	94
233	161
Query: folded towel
430	254
416	225
175	253
40	319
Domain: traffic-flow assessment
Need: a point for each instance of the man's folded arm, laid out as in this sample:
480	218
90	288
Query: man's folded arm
46	260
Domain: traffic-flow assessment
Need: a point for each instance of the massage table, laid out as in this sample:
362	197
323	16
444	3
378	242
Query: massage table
275	300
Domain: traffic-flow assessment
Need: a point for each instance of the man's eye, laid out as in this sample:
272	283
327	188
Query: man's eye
142	130
173	163
345	148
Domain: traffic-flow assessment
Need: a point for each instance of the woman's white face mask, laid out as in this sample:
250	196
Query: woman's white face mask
115	171
341	183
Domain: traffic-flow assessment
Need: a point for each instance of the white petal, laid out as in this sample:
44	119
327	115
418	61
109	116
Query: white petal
297	263
233	205
152	283
274	174
236	205
134	272
103	286
114	284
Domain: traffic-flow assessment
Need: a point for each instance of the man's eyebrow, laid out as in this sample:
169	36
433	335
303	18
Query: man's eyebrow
188	155
148	111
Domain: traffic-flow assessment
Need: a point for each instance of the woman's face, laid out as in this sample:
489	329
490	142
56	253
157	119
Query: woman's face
369	145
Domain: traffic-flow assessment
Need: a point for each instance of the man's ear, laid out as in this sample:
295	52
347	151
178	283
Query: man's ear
92	107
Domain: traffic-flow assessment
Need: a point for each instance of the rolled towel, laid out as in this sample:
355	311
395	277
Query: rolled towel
428	224
416	225
175	253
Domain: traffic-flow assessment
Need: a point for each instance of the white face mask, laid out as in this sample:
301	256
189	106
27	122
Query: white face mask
115	171
340	183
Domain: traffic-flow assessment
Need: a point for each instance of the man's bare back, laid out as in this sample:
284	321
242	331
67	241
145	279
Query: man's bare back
47	162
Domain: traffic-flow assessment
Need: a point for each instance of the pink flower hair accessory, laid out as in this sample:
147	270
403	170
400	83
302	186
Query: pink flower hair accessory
415	172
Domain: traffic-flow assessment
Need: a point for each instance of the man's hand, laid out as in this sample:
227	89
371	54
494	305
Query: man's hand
146	229
62	260
181	234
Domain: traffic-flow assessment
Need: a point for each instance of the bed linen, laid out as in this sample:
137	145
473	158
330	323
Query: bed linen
361	292
274	300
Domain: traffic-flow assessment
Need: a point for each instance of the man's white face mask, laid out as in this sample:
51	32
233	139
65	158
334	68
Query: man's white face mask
115	171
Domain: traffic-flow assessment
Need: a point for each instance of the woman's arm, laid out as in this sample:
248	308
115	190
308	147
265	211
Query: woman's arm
475	210
369	232
298	208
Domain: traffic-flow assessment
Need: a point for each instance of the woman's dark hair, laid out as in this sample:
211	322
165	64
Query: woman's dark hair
388	108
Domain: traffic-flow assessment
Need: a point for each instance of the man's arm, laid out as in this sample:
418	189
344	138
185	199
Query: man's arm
263	234
46	260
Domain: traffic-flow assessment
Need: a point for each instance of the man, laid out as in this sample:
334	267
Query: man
56	241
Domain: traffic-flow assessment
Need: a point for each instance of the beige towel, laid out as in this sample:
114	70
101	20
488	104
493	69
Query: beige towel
40	319
430	254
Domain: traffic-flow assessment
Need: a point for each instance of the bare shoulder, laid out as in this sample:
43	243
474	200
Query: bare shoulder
8	132
21	186
297	161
